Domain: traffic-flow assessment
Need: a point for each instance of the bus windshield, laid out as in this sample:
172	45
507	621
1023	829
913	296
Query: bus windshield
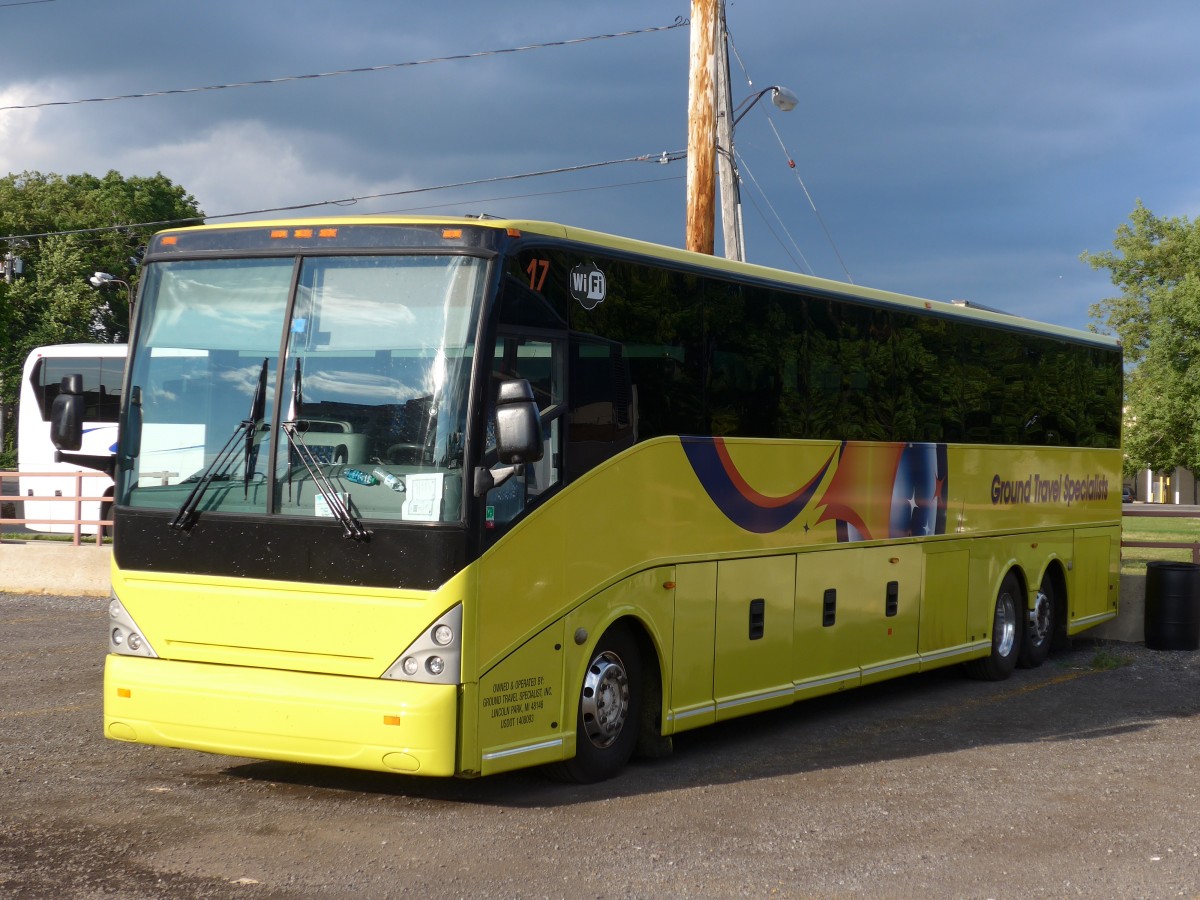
371	392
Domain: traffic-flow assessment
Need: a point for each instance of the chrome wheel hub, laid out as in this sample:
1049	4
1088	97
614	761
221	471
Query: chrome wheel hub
1039	618
605	702
1005	626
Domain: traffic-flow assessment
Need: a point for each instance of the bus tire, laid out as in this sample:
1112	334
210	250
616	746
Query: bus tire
1040	624
609	711
1006	635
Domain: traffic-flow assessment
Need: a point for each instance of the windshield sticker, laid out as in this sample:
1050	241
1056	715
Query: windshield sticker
588	285
322	508
424	503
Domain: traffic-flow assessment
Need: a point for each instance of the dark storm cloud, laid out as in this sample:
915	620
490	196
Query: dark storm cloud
952	150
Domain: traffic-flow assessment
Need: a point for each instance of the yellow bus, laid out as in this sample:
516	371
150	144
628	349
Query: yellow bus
451	497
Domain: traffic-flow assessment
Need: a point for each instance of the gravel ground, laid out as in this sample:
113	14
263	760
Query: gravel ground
1073	779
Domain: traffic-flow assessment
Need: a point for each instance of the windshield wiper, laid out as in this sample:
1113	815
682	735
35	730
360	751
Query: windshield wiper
257	413
216	470
351	526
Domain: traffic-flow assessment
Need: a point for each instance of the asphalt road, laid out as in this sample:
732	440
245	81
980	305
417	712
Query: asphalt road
1069	780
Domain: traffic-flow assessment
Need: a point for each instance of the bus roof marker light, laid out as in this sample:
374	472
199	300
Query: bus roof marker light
327	233
277	233
170	240
304	233
450	234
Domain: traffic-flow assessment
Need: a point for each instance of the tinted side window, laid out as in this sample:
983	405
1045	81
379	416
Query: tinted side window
708	356
602	403
101	384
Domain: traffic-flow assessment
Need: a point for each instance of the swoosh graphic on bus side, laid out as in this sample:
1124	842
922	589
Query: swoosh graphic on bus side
733	495
111	449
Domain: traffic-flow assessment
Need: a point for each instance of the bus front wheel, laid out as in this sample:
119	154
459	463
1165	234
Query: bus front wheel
1006	635
609	711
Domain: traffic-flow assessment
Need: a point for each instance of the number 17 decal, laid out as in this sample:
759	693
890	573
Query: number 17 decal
537	270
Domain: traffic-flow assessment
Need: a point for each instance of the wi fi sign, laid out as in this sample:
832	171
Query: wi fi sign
588	285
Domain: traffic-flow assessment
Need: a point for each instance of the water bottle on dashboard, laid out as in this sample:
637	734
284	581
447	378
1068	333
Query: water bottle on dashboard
395	482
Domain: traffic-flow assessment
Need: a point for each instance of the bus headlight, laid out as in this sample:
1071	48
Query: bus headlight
436	656
124	636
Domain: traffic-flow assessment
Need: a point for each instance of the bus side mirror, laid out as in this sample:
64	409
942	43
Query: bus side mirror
66	414
518	424
518	435
133	447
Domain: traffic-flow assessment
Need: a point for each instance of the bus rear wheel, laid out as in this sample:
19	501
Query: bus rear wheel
1039	629
1006	635
609	711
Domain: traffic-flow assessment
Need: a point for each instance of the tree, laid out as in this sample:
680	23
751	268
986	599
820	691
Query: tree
1156	264
64	228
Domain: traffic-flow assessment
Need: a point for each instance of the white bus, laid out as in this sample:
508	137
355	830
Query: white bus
103	369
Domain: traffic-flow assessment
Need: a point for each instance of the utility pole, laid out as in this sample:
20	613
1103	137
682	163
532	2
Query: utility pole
702	133
11	265
731	198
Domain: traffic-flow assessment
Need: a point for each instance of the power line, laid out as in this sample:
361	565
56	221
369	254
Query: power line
662	158
791	164
582	190
742	166
811	202
24	3
678	23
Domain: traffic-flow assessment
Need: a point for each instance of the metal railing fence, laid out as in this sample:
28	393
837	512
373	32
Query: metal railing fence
77	499
1162	511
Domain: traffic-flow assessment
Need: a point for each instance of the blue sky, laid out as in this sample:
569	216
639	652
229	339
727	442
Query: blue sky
952	150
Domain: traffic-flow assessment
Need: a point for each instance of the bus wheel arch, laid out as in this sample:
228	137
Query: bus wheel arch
1007	631
617	702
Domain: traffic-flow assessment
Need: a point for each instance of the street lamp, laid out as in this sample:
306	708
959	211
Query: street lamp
100	279
783	99
103	279
731	194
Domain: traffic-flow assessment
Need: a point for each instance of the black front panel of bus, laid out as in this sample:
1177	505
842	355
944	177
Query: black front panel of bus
416	558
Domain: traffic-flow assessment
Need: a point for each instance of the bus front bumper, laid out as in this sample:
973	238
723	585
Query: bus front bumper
360	723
